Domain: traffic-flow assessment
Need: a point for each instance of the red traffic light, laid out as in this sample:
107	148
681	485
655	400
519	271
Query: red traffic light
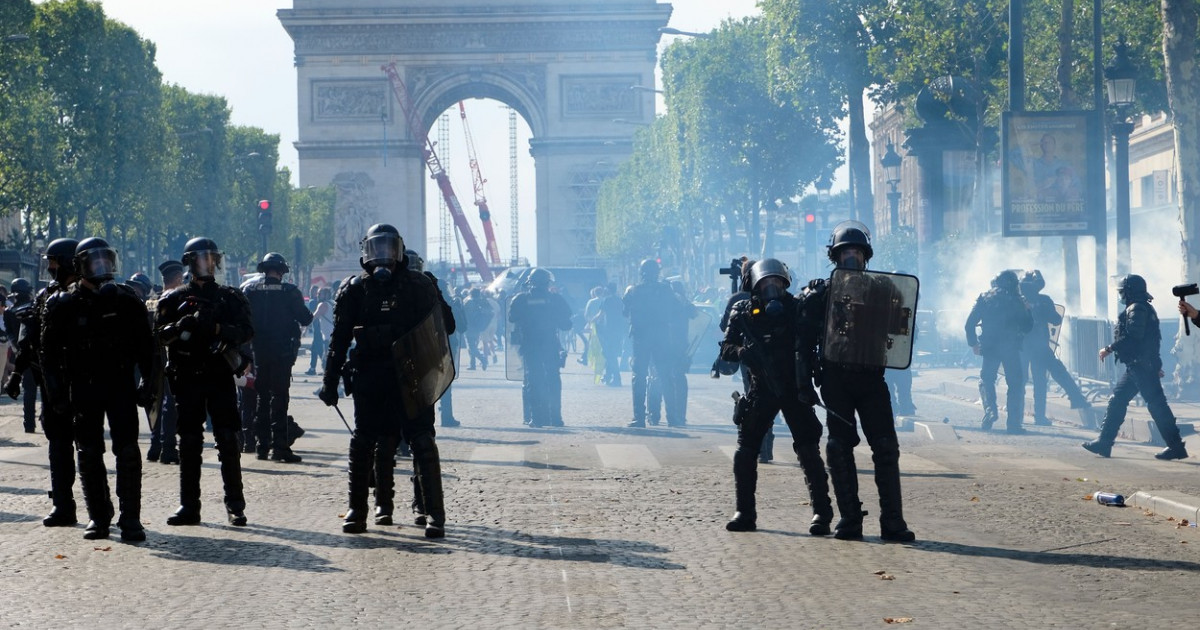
264	205
810	218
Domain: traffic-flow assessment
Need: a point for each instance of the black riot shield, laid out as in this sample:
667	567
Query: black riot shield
870	318
514	367
424	363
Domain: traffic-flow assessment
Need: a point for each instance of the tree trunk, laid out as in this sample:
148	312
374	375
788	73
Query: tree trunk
1180	19
1068	99
859	151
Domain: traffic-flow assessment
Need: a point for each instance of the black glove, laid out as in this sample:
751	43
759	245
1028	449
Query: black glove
13	386
329	392
748	356
206	322
145	396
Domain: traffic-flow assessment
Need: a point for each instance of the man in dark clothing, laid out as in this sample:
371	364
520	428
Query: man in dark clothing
16	316
651	305
479	315
537	315
95	335
278	313
163	440
1136	344
1039	358
1005	318
612	327
856	387
375	309
58	427
203	326
762	336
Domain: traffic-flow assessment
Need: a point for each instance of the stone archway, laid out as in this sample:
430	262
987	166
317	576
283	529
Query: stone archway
566	66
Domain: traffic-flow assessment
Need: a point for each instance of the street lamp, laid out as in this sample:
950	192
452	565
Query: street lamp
823	185
1121	79
891	162
667	30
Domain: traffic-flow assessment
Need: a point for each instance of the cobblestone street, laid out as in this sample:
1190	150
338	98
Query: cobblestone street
598	526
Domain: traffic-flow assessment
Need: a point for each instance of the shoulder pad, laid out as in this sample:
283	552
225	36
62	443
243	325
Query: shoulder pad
125	290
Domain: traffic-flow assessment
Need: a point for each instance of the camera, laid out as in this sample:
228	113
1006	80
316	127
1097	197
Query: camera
1183	290
734	271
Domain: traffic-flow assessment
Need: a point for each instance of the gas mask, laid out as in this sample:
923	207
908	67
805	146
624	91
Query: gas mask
381	274
850	261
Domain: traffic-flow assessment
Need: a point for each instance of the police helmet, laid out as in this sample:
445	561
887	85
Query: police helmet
61	251
140	282
95	261
1032	281
381	246
539	278
202	257
1006	281
849	234
769	268
415	262
20	286
273	261
649	269
1132	288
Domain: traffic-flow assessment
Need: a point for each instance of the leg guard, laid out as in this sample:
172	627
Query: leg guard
818	488
886	457
93	480
844	475
62	482
361	458
129	493
428	467
385	479
231	471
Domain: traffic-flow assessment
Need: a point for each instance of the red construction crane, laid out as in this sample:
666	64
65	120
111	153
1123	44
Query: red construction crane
436	172
485	214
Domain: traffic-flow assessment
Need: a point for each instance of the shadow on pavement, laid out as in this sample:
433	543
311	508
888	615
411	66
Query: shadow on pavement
651	431
21	491
1099	561
11	517
451	438
525	464
624	553
230	551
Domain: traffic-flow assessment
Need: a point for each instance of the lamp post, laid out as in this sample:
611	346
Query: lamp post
891	162
1121	79
667	30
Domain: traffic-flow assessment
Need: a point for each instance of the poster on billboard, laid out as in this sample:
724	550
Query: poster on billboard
1053	173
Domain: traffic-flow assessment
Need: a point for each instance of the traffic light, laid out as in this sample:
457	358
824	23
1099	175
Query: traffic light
264	216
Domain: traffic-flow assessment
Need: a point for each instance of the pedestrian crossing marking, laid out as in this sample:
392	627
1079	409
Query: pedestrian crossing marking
627	457
915	463
498	454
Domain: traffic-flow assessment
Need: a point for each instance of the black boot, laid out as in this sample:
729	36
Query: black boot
741	522
1109	427
428	466
62	482
360	466
385	479
294	431
887	480
190	447
818	488
418	503
129	493
844	475
231	476
93	480
745	482
988	399
285	455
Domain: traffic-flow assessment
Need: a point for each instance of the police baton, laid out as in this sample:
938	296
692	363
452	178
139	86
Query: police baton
339	413
835	414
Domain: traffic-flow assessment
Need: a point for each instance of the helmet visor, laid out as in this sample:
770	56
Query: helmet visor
204	263
381	249
98	264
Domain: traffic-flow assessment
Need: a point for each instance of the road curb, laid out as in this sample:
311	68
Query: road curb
1167	503
936	431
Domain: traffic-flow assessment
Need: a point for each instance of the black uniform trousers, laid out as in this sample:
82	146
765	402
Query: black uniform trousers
1014	378
208	393
271	383
1043	363
862	391
647	352
541	386
1144	380
93	403
753	423
379	424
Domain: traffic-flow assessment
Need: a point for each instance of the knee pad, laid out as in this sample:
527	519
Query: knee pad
837	450
423	443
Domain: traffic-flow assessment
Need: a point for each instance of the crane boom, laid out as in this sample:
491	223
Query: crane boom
485	214
436	172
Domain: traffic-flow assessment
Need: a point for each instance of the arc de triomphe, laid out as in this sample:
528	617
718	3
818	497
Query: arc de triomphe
565	65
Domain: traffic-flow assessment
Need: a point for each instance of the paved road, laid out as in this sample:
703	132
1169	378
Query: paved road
598	526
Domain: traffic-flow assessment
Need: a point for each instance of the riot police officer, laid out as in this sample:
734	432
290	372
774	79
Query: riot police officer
452	311
163	441
537	315
1038	356
203	324
376	309
762	335
650	306
857	386
18	314
95	335
140	283
58	427
278	312
479	316
1005	318
1136	344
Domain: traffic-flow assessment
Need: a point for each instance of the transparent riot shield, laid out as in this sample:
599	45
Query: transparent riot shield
514	367
1056	329
700	326
870	318
424	363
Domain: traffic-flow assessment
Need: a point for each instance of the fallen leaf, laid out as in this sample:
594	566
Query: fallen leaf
898	619
955	592
1184	523
1088	497
59	557
975	499
880	572
1123	524
1183	542
101	548
1170	518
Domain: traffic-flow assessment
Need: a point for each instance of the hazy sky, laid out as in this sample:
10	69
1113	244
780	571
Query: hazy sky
237	49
